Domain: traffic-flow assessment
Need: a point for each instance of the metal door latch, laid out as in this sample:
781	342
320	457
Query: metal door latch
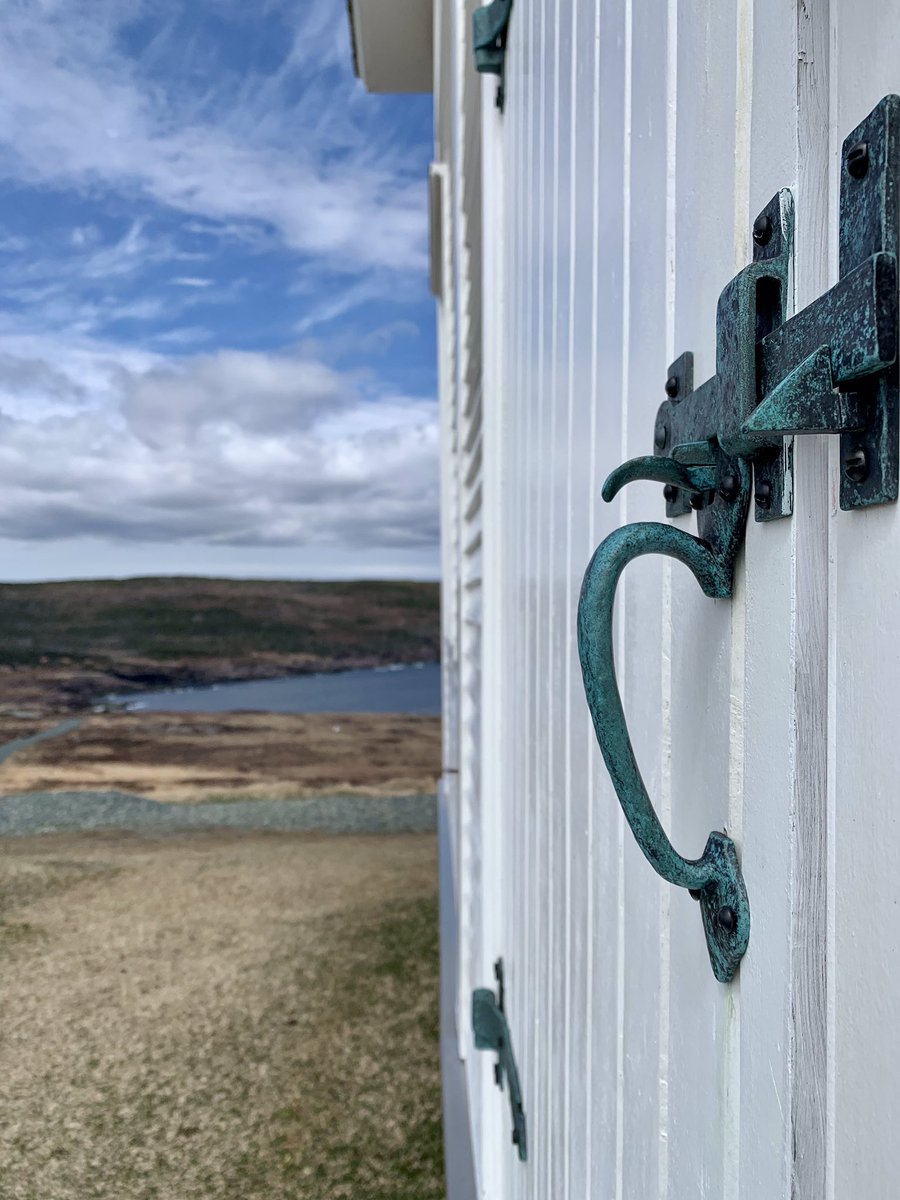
492	1033
831	368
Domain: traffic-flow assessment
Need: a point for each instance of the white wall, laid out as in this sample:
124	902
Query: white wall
617	192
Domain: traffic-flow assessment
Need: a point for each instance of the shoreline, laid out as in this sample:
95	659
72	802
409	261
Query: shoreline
77	688
66	645
119	701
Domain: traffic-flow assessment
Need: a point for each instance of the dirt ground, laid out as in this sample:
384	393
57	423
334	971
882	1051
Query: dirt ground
215	756
238	1016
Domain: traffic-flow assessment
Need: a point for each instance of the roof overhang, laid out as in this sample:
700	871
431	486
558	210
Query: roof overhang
392	44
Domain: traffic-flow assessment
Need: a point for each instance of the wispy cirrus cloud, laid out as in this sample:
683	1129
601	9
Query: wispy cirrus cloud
280	150
185	192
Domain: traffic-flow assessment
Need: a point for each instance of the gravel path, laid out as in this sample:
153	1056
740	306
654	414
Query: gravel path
65	812
9	748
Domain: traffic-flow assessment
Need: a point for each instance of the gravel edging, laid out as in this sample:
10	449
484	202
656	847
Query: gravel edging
69	812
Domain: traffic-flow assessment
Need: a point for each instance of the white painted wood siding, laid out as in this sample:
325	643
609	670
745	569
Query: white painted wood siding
615	199
461	337
863	832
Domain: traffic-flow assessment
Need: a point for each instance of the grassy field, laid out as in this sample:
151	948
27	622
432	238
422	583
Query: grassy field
216	756
216	1015
174	618
219	1017
64	644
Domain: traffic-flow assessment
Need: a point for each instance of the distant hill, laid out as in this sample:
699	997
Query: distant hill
77	640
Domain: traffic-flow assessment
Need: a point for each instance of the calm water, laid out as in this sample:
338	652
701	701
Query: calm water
385	689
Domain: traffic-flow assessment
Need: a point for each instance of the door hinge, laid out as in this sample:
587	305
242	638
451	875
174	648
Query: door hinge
491	1031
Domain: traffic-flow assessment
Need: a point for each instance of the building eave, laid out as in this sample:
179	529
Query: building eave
392	44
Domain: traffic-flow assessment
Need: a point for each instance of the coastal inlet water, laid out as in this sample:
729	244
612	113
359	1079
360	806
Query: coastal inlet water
415	689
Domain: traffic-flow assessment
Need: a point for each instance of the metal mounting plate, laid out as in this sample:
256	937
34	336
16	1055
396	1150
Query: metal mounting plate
870	222
773	469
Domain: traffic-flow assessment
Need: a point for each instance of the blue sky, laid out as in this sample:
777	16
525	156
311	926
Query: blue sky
216	337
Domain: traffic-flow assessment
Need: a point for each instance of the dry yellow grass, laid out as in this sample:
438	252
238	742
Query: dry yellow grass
197	756
219	1016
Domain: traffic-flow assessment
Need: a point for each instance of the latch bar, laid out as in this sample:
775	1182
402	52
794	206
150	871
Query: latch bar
863	329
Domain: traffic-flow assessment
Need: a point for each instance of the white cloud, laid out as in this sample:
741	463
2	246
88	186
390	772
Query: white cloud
229	449
88	283
76	111
183	454
84	235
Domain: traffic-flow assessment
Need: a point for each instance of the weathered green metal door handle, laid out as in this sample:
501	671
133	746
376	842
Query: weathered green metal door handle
706	461
832	367
715	878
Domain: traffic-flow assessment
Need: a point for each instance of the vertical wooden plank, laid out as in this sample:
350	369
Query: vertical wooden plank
543	181
813	274
557	453
767	691
529	249
532	252
608	234
864	628
446	129
494	715
581	419
513	586
457	1131
476	841
701	1011
640	597
519	218
464	881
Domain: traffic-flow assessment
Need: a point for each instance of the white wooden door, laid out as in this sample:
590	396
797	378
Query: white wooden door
639	140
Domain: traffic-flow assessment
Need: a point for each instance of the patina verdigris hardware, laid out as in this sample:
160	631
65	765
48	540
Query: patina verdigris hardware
490	29
831	368
491	1031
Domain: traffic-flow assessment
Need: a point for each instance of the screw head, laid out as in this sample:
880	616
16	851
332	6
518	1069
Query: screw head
763	494
858	160
762	230
727	919
670	492
856	465
729	487
672	386
660	435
